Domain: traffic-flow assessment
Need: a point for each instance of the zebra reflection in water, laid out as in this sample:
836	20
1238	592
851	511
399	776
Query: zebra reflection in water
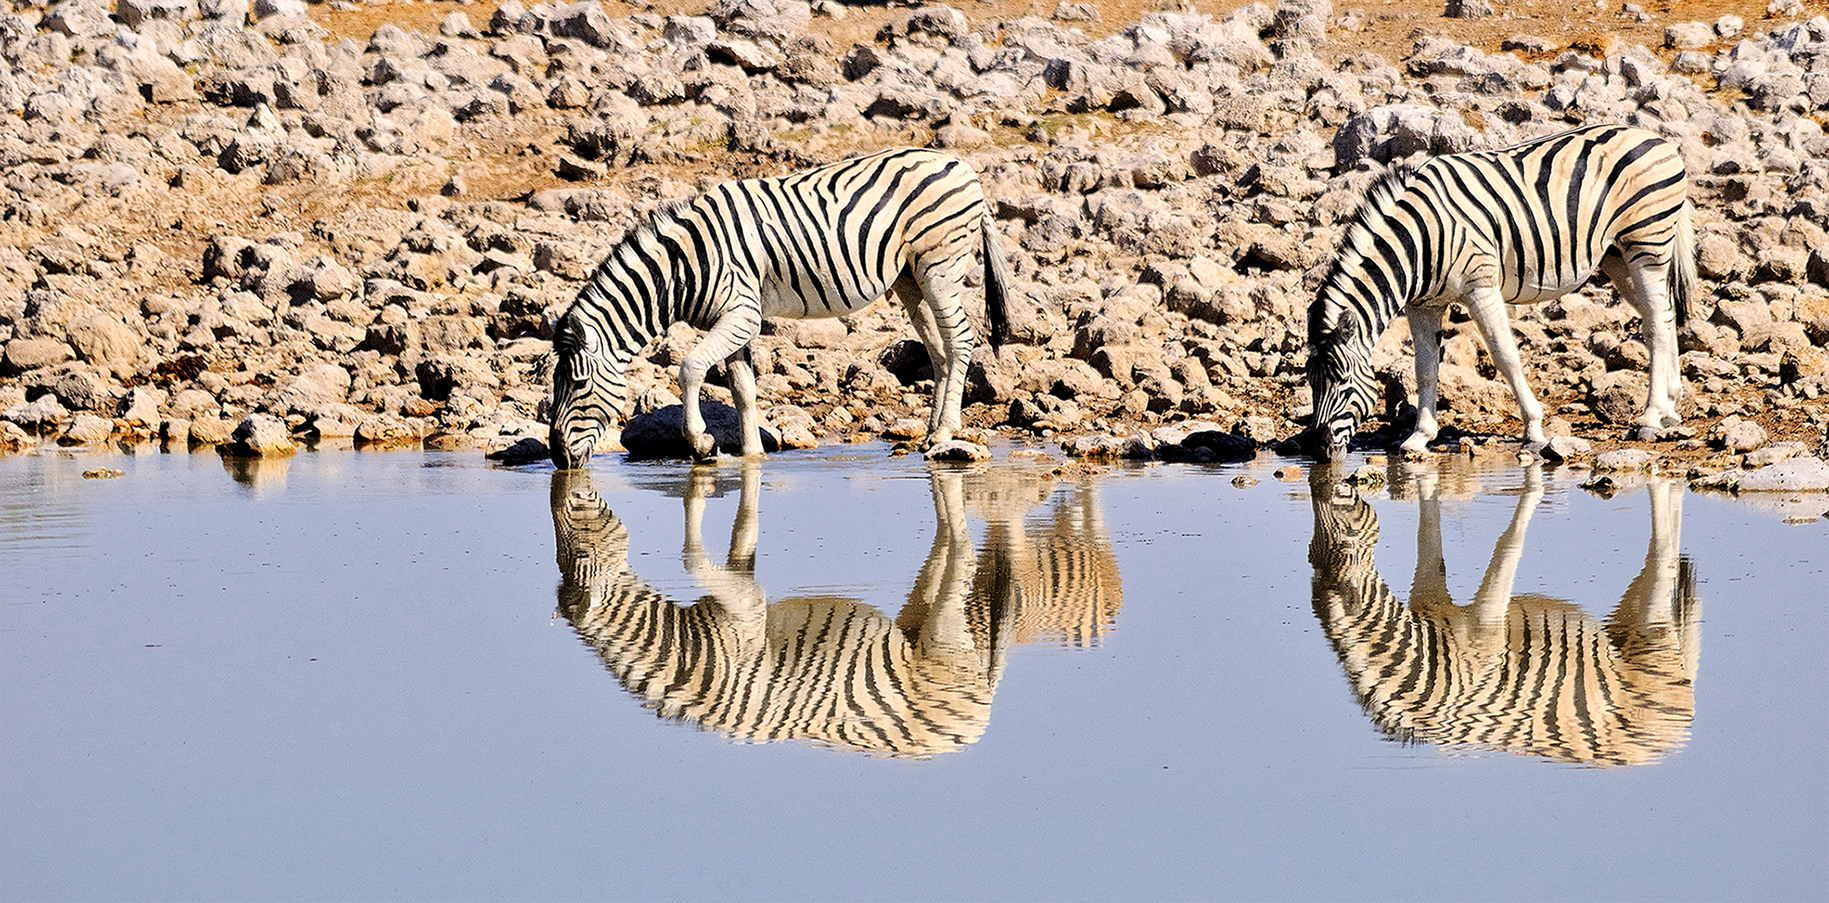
1524	674
828	669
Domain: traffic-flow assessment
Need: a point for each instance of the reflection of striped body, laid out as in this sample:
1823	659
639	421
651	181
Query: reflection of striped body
829	670
1523	673
820	243
1515	226
1065	583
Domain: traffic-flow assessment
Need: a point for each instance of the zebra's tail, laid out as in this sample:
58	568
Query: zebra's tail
1683	262
996	283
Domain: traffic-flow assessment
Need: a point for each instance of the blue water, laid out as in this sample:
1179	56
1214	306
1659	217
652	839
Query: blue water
345	676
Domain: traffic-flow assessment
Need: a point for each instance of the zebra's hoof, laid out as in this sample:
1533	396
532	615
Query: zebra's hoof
704	446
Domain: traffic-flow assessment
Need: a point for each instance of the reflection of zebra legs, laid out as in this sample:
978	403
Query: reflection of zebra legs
733	586
1482	622
1657	621
1060	577
942	635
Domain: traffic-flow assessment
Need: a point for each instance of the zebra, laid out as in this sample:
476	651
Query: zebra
826	669
823	242
1519	673
1516	226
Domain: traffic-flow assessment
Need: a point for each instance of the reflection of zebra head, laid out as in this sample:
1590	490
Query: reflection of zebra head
1519	673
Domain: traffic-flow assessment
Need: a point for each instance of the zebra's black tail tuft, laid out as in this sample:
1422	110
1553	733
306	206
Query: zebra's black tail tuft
1683	263
996	283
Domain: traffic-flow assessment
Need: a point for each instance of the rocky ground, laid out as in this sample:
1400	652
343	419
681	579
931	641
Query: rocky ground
269	224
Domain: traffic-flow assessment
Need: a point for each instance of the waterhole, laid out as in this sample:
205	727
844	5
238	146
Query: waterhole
840	674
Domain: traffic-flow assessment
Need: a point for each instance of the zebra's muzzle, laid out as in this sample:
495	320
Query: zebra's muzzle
571	447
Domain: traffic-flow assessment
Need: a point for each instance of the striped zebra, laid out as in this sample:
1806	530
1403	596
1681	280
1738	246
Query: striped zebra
820	243
1518	673
1514	226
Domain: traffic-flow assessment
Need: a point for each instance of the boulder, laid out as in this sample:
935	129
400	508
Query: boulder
1624	460
259	436
34	352
141	405
313	389
14	439
87	429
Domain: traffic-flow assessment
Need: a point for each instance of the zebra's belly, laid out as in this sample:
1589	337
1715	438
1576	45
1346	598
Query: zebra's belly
830	296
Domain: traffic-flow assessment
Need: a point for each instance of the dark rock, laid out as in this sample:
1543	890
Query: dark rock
657	433
526	451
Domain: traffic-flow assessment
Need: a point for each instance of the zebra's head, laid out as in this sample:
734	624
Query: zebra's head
1339	376
583	401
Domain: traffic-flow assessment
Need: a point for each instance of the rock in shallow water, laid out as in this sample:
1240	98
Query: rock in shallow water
656	434
1794	475
259	436
958	450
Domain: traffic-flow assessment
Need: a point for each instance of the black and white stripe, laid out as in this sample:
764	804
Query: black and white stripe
1525	224
820	243
1520	673
823	669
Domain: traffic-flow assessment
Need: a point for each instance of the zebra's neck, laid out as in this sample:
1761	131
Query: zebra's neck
637	288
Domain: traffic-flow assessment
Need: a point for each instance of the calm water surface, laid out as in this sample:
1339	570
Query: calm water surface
840	675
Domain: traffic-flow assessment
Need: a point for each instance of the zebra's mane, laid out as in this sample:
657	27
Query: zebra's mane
1375	206
651	224
1329	323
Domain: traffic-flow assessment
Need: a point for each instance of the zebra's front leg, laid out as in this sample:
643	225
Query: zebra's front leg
1644	284
732	332
1489	314
1426	336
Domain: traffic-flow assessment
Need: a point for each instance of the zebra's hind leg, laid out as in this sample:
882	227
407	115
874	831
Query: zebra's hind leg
940	285
907	291
1643	283
1426	335
732	332
1489	313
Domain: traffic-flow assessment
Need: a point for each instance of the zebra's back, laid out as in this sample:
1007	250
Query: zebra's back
828	241
1548	211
